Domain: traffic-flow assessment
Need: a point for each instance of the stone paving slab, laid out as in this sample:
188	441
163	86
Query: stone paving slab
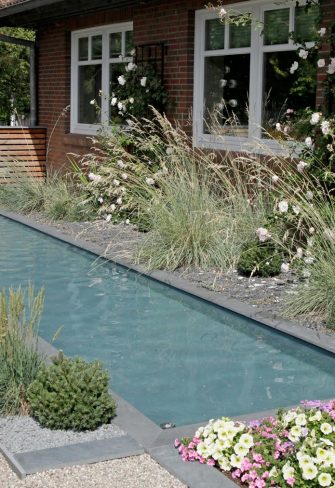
77	454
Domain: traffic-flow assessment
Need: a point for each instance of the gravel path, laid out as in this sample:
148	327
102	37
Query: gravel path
20	434
134	472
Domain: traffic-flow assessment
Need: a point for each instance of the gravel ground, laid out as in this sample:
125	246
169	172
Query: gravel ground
133	472
265	294
20	434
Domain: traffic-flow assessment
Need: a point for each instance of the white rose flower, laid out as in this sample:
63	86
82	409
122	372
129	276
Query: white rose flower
308	141
294	67
325	127
321	63
285	268
322	31
131	100
283	206
262	234
315	119
113	101
143	81
301	166
121	80
303	54
131	66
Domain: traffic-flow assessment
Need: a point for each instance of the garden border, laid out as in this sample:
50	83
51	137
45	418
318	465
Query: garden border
149	437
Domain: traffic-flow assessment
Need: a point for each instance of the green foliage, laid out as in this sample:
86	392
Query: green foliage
20	312
14	79
262	259
71	394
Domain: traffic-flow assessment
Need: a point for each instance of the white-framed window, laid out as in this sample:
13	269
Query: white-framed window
97	55
242	80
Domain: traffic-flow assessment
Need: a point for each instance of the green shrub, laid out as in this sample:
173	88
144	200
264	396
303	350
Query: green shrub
71	394
262	259
20	313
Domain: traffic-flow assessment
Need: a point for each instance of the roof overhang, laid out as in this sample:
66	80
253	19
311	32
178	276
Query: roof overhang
32	13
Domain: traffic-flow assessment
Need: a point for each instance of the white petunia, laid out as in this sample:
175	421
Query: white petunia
325	479
236	461
301	419
325	127
246	440
326	428
309	471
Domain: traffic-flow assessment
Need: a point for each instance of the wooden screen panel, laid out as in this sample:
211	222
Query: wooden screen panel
22	152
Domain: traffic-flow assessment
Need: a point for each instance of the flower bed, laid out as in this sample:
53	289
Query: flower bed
295	448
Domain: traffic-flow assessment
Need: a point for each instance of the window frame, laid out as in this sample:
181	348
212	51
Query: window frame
105	61
257	50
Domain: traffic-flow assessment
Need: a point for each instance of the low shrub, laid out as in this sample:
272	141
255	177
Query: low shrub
262	259
294	448
20	312
71	394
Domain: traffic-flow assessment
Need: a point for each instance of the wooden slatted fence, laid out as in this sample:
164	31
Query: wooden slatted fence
22	152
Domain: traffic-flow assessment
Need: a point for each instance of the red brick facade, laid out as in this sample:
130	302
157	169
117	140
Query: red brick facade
171	21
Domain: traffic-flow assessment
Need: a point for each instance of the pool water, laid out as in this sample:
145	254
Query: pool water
174	357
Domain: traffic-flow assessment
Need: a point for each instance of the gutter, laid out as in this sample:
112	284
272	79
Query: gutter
25	6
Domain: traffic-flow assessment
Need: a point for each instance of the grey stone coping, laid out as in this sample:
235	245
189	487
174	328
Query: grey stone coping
143	434
77	454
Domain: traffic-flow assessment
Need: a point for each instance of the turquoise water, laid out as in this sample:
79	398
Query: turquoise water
172	356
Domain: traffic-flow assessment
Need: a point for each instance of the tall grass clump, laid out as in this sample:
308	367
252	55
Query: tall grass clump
201	214
57	196
20	313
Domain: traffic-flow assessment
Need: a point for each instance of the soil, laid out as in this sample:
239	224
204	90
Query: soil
267	295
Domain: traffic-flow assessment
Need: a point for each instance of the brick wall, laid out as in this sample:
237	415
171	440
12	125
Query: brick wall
328	18
171	21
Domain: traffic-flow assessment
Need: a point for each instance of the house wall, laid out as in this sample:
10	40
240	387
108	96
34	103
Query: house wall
171	21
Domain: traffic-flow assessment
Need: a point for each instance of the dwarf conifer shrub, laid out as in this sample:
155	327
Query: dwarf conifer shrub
262	259
71	394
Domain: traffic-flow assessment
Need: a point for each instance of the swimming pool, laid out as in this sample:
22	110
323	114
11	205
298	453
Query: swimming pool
173	356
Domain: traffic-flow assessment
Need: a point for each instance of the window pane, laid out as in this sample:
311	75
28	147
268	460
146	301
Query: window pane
306	23
276	26
214	34
129	42
115	70
283	90
96	47
83	49
239	35
226	94
115	45
88	89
